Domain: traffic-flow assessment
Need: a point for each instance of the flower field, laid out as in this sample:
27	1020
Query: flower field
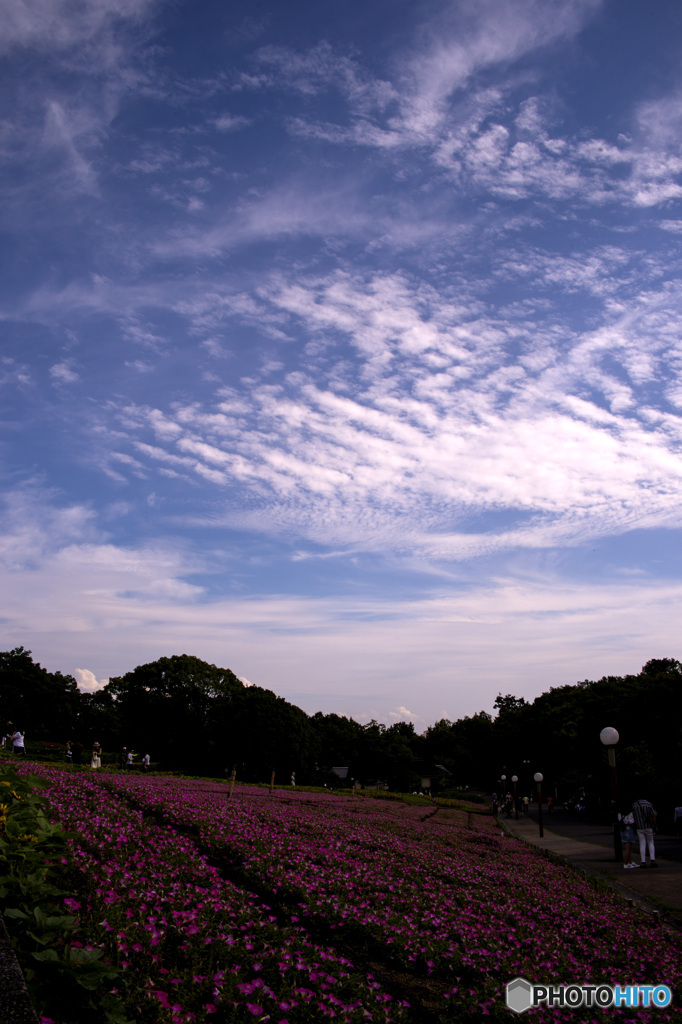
301	907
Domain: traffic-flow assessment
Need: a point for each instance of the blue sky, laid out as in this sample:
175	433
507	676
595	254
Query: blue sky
341	343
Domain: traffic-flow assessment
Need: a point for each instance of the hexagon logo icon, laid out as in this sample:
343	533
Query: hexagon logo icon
519	995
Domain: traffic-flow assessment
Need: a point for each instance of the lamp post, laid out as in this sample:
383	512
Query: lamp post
503	780
538	778
515	779
609	737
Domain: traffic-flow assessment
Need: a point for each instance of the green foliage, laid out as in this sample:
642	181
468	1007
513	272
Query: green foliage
98	719
558	734
198	718
43	703
503	705
171	704
464	747
261	732
65	979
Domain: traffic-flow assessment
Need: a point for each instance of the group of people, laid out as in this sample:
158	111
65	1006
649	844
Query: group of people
640	818
74	752
14	740
126	759
509	808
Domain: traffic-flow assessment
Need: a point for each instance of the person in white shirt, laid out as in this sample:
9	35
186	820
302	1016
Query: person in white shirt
18	743
645	823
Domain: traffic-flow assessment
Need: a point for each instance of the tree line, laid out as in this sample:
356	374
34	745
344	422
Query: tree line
198	718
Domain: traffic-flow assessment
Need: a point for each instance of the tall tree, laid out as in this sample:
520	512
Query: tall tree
261	732
44	704
166	707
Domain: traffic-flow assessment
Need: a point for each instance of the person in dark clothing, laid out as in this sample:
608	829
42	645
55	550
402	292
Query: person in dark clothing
645	823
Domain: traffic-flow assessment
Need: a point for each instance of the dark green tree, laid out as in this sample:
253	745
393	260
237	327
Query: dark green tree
464	747
167	708
336	741
44	704
509	703
98	720
260	733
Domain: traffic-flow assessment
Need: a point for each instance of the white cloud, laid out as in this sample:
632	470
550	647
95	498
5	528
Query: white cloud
470	37
674	226
319	68
69	132
442	423
460	643
63	373
402	714
230	122
87	681
58	24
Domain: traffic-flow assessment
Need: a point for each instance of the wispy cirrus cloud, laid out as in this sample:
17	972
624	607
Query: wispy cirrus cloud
58	25
466	38
482	137
56	133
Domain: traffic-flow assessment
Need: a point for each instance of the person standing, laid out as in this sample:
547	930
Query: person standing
627	836
96	759
18	743
146	761
645	823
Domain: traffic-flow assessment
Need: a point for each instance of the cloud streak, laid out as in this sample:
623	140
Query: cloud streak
435	422
77	601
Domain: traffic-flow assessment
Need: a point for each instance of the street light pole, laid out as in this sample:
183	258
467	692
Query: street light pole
538	778
515	779
609	737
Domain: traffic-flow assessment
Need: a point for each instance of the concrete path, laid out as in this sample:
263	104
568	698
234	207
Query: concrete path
656	889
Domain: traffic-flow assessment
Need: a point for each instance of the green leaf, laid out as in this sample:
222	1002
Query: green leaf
84	955
19	914
46	955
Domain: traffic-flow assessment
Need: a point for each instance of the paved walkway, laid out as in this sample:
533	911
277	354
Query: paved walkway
590	849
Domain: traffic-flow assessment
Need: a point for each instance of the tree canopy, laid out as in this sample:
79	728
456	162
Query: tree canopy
194	716
39	702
